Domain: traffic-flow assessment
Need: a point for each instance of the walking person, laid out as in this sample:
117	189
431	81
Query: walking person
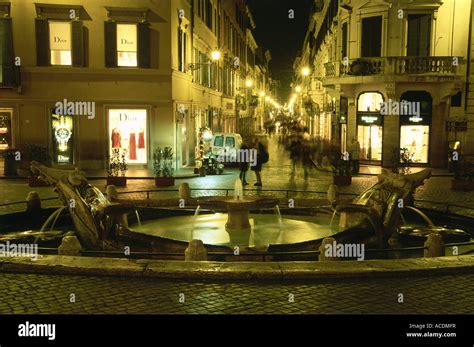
295	147
306	158
354	153
262	158
244	166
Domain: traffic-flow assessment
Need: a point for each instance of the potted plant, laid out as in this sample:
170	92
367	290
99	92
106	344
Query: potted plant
40	154
342	172
401	161
463	175
163	167
117	167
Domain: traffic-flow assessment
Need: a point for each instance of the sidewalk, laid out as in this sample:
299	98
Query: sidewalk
186	172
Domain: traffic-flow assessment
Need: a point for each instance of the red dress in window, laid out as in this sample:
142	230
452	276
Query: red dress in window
116	138
133	147
141	139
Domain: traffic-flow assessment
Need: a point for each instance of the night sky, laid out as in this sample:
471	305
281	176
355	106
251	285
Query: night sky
283	36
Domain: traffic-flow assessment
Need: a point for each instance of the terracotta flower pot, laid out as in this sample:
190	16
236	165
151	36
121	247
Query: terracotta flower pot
164	181
118	181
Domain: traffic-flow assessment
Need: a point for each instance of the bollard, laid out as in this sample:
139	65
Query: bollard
324	248
70	245
184	191
435	246
111	192
195	251
33	202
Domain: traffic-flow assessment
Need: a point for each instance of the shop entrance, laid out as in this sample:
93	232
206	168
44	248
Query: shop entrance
370	139
370	127
415	126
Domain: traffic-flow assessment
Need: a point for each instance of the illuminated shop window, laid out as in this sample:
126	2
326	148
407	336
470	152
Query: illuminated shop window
60	43
369	102
128	131
62	128
127	45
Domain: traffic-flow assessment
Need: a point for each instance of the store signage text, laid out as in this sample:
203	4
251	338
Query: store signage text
369	119
403	108
415	119
75	108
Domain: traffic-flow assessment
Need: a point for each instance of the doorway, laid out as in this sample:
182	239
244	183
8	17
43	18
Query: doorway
370	139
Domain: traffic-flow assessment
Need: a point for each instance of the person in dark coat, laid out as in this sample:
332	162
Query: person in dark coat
258	167
244	167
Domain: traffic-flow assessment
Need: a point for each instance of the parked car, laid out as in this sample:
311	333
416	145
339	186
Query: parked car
225	145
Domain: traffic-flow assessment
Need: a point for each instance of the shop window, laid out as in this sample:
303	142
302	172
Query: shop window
127	44
5	131
60	38
128	131
60	43
369	102
62	131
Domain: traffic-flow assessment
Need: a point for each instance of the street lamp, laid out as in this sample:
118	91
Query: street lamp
215	55
305	71
262	94
249	83
298	89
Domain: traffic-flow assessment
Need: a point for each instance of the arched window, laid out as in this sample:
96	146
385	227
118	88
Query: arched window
369	102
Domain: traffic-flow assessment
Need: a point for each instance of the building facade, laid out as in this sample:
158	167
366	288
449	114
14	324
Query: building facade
85	78
390	74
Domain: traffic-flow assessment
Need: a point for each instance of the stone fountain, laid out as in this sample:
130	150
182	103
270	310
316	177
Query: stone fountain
238	207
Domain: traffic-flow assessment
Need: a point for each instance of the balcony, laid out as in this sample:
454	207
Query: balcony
10	76
396	66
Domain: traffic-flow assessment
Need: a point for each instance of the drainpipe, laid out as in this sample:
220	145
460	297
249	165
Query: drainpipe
468	70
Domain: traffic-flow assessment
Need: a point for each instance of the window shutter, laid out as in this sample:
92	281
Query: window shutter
143	45
6	52
42	42
110	44
77	43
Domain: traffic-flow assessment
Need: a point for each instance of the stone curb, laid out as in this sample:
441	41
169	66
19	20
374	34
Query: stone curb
68	265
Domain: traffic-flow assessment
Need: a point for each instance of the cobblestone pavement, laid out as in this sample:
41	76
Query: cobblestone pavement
276	176
38	294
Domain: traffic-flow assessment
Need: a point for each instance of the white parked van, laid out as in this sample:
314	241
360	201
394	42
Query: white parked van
226	144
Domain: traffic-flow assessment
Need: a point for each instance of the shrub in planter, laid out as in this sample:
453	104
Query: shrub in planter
163	167
40	154
117	168
401	161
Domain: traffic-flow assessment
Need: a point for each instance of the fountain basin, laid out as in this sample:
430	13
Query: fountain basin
238	210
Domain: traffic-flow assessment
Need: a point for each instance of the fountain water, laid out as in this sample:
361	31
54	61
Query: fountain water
238	190
138	218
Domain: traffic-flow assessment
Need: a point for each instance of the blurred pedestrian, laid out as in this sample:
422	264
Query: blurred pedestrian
244	165
354	154
295	148
262	158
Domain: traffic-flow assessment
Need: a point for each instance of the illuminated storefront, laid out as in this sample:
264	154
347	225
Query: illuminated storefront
415	128
62	131
5	131
128	131
370	126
